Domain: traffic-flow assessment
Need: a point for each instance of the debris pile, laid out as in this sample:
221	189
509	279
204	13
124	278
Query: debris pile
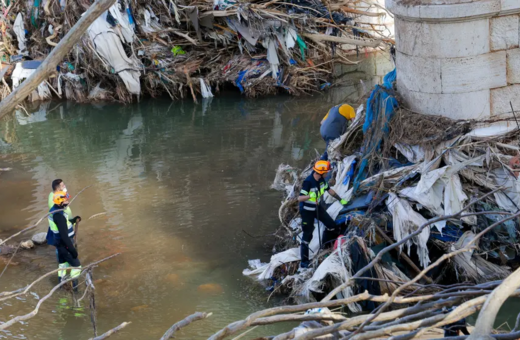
184	48
430	185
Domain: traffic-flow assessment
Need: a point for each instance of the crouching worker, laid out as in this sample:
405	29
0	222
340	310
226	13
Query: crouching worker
336	122
63	233
313	187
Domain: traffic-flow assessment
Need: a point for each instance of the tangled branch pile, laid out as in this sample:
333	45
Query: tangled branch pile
412	182
184	48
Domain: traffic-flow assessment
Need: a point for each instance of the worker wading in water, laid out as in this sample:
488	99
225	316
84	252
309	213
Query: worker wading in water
313	188
57	186
336	122
63	234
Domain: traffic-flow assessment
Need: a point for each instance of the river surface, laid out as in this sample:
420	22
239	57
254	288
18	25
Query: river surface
184	192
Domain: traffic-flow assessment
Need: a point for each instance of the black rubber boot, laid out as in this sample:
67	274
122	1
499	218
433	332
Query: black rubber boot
75	284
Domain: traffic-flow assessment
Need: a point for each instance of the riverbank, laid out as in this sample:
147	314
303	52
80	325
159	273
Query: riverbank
138	49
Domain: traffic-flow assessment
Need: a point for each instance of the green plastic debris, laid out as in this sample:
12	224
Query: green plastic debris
177	50
35	13
302	45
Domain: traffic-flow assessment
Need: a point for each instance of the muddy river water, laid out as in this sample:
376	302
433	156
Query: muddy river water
179	185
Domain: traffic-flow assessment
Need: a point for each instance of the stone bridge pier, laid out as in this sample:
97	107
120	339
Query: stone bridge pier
458	58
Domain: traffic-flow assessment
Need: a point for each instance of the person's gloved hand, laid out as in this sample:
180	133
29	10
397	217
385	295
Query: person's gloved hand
343	202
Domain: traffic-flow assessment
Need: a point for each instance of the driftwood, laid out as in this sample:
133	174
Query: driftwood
487	316
48	66
112	331
25	290
183	323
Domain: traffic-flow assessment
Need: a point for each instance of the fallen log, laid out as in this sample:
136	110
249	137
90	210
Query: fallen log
48	66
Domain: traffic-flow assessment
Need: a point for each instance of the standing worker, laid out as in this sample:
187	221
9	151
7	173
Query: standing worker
57	186
313	187
62	237
336	121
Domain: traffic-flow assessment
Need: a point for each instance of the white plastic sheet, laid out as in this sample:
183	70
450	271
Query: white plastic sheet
405	222
19	30
151	21
413	153
290	37
205	89
122	18
272	55
42	92
249	34
509	198
336	207
108	45
493	130
431	199
335	266
266	271
341	186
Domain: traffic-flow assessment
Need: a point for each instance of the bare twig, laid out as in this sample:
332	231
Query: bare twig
30	315
183	323
25	290
112	331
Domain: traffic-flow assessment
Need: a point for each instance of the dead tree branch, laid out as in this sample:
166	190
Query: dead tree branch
183	323
112	331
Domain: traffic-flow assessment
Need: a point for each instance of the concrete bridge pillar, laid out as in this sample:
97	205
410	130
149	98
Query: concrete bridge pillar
458	58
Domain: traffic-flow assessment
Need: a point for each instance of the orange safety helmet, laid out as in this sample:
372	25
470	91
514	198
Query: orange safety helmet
59	197
321	167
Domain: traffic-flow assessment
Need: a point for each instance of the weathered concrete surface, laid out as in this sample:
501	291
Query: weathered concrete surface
462	75
450	40
420	74
513	66
504	32
472	105
501	97
458	58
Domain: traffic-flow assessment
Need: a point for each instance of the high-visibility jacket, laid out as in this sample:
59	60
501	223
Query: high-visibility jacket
54	228
314	189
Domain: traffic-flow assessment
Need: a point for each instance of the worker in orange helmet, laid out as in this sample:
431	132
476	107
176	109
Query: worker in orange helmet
313	187
62	237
